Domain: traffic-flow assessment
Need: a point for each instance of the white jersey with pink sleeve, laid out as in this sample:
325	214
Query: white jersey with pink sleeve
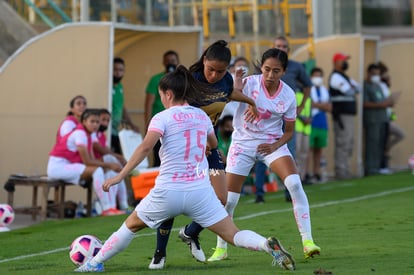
66	127
77	138
273	110
184	131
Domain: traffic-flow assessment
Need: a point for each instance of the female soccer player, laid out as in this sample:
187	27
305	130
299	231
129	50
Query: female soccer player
104	153
183	185
71	160
210	69
265	141
77	106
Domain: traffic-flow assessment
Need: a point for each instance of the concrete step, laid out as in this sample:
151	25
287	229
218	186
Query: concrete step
14	31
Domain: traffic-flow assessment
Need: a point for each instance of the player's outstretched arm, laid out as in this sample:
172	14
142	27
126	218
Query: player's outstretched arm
139	154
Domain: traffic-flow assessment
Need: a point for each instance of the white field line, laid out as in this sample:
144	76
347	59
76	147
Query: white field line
319	205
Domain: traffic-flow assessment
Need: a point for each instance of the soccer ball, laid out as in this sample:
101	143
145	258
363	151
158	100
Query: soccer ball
6	215
83	248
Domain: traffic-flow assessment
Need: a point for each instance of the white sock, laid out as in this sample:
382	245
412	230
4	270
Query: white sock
122	195
119	193
300	206
113	191
117	242
232	200
251	240
98	180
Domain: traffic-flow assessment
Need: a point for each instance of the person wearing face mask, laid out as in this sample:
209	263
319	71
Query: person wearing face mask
395	133
99	143
153	104
343	92
119	112
319	128
71	160
375	119
241	63
105	154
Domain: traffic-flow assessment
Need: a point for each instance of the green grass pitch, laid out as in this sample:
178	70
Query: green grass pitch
363	226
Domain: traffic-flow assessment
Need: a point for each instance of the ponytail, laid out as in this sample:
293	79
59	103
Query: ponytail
216	51
185	87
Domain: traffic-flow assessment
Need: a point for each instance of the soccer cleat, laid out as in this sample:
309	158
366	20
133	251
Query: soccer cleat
158	261
218	255
259	199
193	244
88	267
280	256
112	212
310	249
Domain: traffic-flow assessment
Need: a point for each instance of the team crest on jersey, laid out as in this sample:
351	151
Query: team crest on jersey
280	107
214	97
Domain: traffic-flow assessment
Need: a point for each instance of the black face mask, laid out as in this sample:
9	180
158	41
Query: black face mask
227	133
116	80
170	68
345	66
102	128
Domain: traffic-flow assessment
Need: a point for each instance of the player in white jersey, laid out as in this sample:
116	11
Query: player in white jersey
265	141
77	106
183	185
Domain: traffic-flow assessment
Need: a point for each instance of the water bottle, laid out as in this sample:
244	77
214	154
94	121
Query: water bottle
80	210
96	208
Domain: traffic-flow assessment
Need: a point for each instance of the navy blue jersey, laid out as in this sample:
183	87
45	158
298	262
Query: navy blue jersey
214	106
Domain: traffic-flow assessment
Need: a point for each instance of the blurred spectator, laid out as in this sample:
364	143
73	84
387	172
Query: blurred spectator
319	132
77	106
295	76
375	119
238	63
342	90
103	153
153	104
394	133
71	160
303	131
100	149
241	63
119	112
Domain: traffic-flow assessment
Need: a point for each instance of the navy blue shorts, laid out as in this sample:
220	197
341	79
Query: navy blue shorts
214	160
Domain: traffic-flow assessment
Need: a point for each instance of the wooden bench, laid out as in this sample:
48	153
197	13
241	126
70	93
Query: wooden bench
45	185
